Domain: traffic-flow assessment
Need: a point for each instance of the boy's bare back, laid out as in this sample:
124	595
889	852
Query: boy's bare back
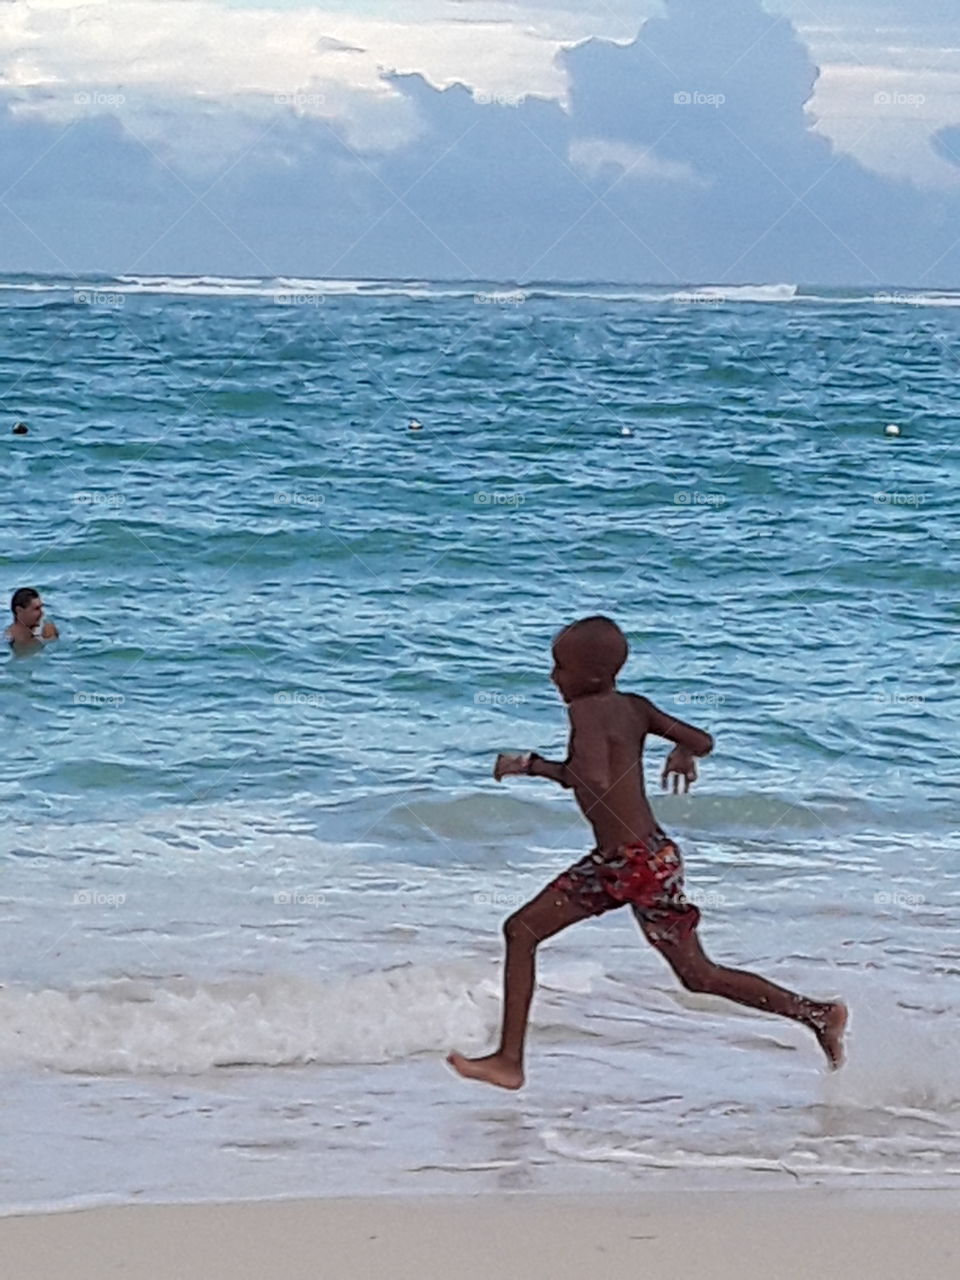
604	765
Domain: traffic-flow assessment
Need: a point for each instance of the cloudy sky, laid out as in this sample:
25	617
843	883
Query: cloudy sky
648	140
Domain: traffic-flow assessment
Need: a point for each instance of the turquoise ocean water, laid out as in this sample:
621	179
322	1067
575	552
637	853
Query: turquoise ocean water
254	864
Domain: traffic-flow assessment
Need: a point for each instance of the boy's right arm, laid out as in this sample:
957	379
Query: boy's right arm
680	763
697	741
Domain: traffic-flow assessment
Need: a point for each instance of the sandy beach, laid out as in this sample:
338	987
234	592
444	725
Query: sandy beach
716	1236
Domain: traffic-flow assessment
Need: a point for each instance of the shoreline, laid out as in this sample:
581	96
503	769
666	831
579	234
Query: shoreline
726	1235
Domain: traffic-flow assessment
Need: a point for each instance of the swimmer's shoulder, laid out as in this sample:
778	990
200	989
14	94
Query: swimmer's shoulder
23	645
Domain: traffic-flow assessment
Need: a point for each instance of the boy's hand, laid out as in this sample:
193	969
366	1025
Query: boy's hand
680	765
507	765
49	631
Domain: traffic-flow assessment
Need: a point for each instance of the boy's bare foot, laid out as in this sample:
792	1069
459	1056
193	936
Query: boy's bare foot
829	1028
493	1069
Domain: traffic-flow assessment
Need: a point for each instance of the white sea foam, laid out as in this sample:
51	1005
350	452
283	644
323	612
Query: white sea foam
737	293
897	1061
603	1150
306	288
141	1026
843	1157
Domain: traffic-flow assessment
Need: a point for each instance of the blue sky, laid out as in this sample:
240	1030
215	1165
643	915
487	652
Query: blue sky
673	141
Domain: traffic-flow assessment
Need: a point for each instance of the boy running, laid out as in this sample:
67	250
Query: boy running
633	863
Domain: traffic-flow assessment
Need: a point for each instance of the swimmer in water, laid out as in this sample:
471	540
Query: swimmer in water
25	634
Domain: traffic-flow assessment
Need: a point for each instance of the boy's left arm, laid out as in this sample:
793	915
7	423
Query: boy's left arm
530	766
586	766
585	769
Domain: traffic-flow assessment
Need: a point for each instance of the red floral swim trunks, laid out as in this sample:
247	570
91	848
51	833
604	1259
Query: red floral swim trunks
646	877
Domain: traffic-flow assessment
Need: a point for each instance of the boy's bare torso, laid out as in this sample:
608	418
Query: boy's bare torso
605	763
605	767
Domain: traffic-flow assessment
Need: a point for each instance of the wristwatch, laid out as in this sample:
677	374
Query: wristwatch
530	759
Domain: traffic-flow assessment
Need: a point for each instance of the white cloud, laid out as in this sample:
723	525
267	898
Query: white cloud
621	162
887	117
165	56
167	61
201	48
628	182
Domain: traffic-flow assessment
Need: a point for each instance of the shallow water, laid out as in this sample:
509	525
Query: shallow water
254	863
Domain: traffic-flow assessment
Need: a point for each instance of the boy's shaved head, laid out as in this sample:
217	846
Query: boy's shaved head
595	648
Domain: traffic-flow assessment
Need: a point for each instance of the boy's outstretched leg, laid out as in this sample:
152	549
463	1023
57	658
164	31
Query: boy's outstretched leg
826	1019
540	919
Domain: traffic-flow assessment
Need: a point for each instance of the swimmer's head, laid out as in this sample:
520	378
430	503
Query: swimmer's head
26	606
587	656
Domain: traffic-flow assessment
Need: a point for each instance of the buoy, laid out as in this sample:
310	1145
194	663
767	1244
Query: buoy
891	430
415	425
20	428
625	431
